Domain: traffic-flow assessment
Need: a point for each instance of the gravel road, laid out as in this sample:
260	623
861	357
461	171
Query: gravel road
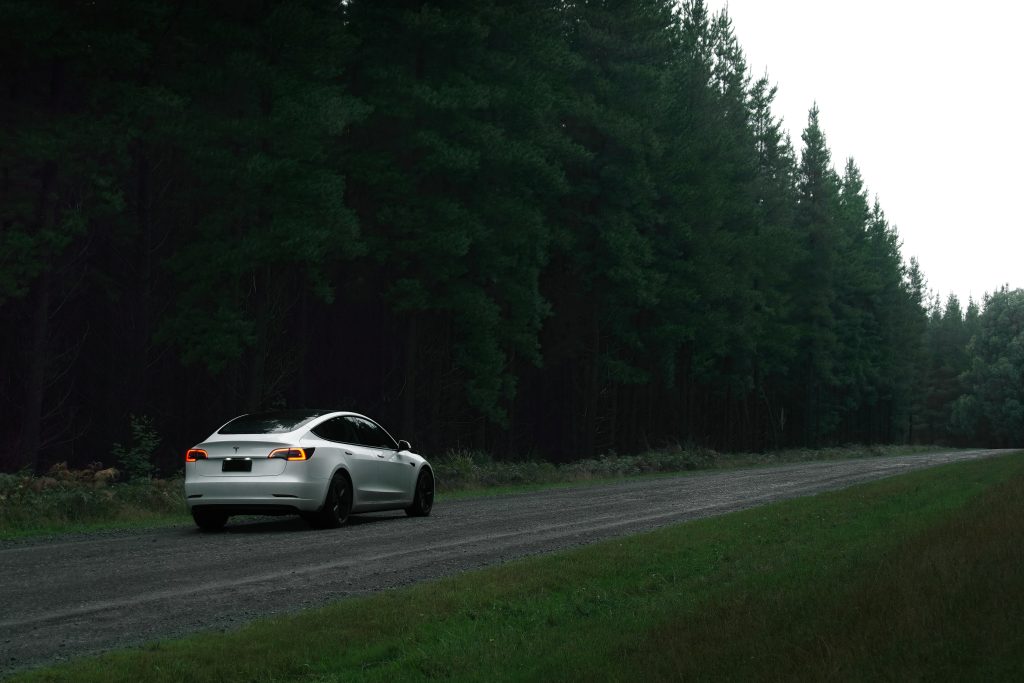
91	593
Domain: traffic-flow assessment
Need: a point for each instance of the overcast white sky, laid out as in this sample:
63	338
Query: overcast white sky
927	98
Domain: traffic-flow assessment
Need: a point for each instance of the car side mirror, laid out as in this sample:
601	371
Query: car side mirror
404	445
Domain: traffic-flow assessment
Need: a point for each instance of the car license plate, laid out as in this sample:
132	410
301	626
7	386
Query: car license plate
236	465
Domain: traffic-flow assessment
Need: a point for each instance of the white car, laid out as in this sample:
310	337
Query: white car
319	464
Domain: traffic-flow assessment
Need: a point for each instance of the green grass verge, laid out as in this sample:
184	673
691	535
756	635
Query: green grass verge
911	578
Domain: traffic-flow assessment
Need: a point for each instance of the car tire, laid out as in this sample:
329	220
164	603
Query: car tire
337	504
423	501
209	520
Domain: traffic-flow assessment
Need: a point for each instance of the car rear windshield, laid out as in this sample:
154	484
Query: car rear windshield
271	423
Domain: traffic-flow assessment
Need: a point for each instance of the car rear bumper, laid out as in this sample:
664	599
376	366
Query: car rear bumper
255	495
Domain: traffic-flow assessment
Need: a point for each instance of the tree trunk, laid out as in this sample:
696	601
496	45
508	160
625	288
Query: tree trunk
409	380
256	380
591	393
39	331
138	352
35	389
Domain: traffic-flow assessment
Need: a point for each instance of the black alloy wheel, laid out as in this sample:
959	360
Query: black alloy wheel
337	505
423	501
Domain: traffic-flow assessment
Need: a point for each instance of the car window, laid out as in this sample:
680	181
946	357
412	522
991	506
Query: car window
276	422
370	434
384	439
336	429
362	433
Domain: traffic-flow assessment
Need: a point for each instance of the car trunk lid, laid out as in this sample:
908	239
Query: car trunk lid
240	458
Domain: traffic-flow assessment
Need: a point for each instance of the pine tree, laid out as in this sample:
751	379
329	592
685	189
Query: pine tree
717	201
603	282
816	215
780	253
264	110
68	96
946	345
453	171
991	409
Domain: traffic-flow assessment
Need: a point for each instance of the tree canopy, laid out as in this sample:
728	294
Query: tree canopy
551	228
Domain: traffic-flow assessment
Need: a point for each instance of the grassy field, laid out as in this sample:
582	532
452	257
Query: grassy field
64	501
918	577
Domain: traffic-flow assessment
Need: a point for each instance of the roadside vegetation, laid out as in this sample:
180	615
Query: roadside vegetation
93	498
471	471
910	578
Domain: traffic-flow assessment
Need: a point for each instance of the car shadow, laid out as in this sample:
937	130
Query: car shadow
270	525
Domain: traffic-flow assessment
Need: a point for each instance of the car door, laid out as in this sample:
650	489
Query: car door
398	471
390	475
361	459
366	461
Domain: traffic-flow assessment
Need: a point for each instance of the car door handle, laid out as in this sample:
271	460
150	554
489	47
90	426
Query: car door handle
380	455
348	452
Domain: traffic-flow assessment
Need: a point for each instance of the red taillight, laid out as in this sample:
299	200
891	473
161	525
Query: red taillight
194	454
292	453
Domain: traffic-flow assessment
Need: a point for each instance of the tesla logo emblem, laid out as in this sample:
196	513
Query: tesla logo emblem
236	449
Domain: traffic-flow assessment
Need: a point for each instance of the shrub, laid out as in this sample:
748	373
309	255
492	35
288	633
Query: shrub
66	497
137	460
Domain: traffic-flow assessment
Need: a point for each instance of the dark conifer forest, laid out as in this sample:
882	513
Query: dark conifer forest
550	229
